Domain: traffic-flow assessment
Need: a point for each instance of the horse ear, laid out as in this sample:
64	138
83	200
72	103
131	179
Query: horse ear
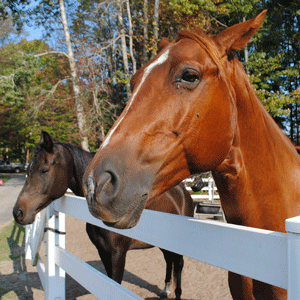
46	141
237	36
163	43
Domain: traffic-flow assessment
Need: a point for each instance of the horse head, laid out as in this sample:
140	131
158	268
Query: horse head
181	119
48	178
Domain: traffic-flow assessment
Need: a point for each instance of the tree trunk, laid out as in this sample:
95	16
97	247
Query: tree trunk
76	90
297	123
246	53
291	123
130	38
156	20
27	156
146	21
124	48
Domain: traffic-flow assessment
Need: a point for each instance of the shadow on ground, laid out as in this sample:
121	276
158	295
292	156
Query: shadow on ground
19	282
16	282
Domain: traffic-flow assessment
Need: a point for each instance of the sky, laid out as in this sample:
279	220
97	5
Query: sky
34	33
37	33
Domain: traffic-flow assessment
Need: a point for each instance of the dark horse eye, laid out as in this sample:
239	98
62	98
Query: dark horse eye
187	78
190	76
44	170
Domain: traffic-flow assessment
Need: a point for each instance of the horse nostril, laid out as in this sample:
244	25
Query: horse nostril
18	214
108	181
101	188
107	184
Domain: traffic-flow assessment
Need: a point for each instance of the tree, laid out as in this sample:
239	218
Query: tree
123	45
47	13
22	92
111	39
8	32
76	89
130	28
278	50
156	20
100	34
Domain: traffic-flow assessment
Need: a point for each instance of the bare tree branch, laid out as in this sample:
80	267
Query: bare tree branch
52	52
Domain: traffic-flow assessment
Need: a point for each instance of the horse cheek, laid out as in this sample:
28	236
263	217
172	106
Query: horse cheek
213	134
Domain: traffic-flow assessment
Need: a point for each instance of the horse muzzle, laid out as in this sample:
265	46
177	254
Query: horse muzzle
110	198
21	217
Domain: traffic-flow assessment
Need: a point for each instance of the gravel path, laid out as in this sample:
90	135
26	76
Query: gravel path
9	192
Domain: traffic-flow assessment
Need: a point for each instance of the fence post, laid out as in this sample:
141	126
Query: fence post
292	227
27	241
55	276
211	189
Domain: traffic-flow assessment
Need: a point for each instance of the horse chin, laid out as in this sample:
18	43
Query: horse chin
126	221
28	222
122	224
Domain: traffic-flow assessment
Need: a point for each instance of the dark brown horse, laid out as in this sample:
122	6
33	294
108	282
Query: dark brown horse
193	109
55	168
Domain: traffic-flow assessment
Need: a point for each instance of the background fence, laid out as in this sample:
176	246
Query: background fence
209	189
264	255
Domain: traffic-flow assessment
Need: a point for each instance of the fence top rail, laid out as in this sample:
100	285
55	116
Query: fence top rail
68	205
256	253
293	224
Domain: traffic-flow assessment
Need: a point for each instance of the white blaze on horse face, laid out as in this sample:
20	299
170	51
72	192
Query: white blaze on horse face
147	71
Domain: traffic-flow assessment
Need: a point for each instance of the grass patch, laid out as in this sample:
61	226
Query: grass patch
10	295
200	193
204	193
12	242
4	178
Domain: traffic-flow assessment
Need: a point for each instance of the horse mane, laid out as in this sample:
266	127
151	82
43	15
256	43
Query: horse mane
81	159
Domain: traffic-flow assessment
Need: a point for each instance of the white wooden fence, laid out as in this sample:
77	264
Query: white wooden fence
264	255
210	188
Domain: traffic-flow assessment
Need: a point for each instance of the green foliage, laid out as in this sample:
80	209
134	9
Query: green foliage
188	7
31	101
278	69
266	73
17	86
4	178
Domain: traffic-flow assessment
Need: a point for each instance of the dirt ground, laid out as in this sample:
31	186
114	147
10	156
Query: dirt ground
144	274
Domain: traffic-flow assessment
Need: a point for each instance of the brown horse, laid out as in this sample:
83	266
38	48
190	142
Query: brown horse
193	109
54	168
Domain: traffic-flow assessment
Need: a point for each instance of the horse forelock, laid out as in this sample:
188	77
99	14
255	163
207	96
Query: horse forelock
37	150
199	36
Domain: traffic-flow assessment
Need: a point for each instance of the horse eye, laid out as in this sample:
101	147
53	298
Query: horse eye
190	76
44	170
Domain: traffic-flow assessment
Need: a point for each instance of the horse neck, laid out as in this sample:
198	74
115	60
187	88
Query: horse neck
81	159
262	169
